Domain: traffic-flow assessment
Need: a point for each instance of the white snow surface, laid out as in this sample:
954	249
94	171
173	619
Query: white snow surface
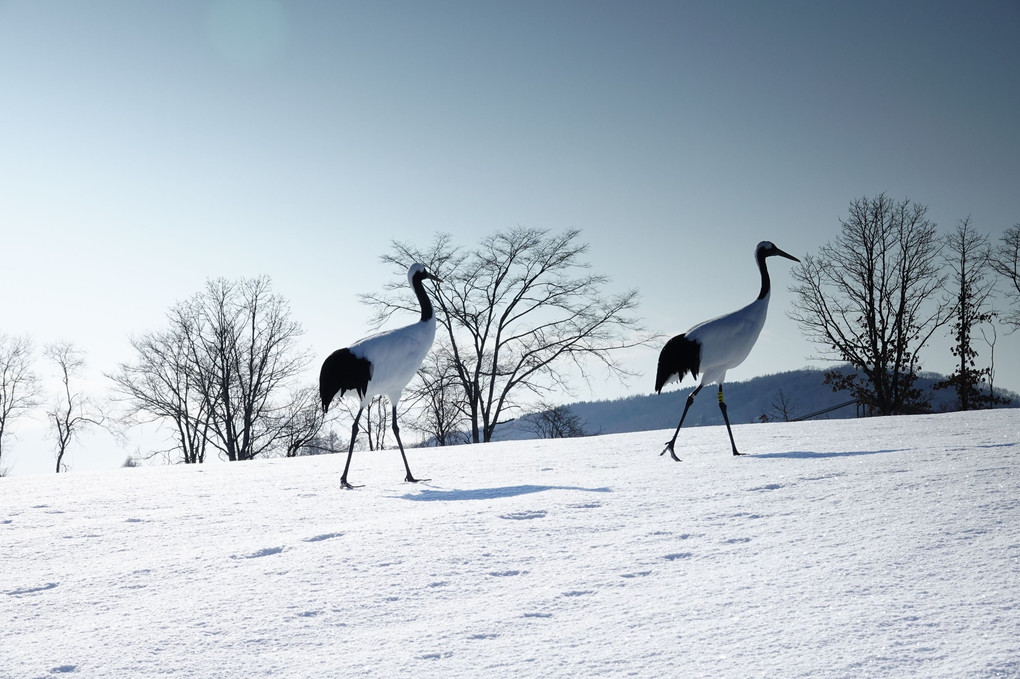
885	547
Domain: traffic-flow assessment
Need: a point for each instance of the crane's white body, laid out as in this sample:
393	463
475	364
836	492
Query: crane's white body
395	356
727	340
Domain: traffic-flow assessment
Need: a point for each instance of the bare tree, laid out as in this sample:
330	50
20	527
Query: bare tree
247	360
323	443
784	407
162	385
19	386
871	298
73	412
1006	262
375	423
555	422
302	421
519	312
440	398
990	335
968	259
223	373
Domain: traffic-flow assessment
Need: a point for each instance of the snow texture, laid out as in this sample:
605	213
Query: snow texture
854	548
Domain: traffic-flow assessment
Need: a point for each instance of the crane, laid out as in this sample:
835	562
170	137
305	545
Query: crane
381	364
715	346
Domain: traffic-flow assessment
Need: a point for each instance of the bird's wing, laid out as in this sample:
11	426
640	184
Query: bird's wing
727	340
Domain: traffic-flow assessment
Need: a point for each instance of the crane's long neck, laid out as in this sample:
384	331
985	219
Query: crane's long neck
766	283
423	299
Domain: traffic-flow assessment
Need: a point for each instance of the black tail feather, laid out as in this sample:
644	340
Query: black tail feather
678	357
342	371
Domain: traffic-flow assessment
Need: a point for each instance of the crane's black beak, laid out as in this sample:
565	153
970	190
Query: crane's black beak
433	277
779	252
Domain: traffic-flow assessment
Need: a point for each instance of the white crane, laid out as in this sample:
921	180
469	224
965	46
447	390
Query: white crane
381	364
715	346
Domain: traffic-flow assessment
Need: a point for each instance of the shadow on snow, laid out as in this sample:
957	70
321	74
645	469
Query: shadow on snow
490	493
809	455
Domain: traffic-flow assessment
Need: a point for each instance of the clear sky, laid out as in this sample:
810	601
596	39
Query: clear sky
148	146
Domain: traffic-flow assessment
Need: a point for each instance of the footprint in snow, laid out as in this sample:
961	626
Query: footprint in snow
524	516
678	555
32	590
324	536
268	551
578	592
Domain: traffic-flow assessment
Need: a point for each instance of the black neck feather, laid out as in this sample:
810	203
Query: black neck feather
766	284
423	299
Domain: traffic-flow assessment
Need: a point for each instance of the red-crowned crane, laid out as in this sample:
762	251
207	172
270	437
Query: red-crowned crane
381	364
715	346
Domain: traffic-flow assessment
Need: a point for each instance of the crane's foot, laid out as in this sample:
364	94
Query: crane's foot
669	449
344	484
736	453
411	479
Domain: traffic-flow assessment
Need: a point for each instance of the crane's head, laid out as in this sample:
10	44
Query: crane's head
767	248
418	272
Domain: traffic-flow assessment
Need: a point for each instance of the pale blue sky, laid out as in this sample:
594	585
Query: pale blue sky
148	146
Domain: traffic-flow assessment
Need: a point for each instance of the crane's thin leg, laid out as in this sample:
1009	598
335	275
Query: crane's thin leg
396	432
726	419
350	451
669	444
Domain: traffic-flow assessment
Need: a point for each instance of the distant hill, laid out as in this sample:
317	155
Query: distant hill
804	391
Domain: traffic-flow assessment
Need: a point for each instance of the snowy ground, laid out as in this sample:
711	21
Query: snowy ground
856	548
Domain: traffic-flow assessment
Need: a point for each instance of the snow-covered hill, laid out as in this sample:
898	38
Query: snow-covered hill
879	547
802	394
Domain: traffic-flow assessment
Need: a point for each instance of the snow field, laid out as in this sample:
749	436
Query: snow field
844	548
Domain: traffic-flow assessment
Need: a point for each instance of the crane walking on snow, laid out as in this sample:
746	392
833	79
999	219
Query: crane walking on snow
715	346
381	364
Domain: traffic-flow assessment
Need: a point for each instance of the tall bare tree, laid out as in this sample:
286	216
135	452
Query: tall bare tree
968	259
519	311
19	386
223	374
162	385
73	412
1006	262
246	347
872	298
